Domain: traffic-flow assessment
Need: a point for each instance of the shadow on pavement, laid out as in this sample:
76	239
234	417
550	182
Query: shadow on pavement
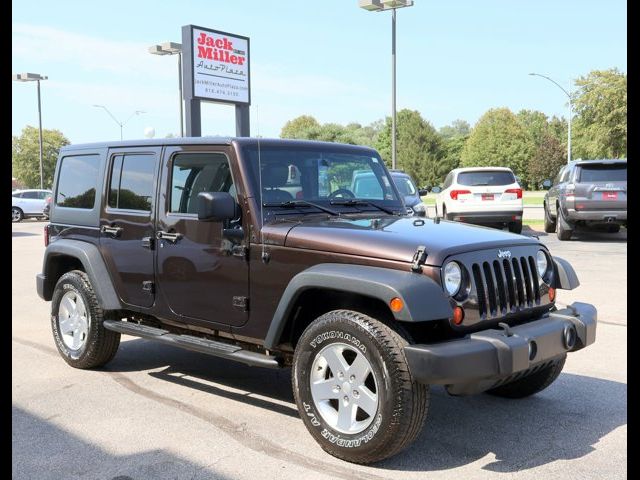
44	451
563	422
23	234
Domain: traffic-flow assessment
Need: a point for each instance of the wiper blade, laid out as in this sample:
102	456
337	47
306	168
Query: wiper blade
300	203
352	203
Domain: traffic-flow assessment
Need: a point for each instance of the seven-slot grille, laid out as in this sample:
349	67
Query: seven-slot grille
506	286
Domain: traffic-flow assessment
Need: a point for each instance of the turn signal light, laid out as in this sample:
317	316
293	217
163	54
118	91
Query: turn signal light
517	191
454	193
458	315
552	294
396	304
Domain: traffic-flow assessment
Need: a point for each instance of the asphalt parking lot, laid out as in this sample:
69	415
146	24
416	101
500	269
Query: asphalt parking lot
157	412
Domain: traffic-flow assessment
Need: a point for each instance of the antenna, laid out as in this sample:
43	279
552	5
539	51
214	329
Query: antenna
265	255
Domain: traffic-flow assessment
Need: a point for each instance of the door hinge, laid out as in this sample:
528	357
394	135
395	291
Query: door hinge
148	286
148	242
241	303
419	258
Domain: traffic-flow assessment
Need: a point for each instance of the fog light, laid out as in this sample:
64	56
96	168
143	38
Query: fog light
396	304
552	294
569	336
458	315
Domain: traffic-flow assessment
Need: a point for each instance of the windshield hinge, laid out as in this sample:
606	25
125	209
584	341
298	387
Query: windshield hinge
419	258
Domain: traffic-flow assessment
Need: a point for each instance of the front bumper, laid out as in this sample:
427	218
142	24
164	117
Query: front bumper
604	216
483	359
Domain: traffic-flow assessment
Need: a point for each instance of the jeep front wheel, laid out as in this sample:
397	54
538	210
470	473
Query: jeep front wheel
353	388
76	321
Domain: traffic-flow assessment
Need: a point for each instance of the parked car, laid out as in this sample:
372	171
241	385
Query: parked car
193	243
28	203
481	195
365	185
590	193
47	208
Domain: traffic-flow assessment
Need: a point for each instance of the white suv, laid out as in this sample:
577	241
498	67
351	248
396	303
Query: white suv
28	203
481	195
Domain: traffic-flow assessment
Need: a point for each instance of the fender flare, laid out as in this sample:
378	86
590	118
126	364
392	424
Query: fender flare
423	298
566	277
94	266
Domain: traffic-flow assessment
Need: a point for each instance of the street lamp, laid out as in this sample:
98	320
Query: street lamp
122	124
379	6
570	111
172	48
35	77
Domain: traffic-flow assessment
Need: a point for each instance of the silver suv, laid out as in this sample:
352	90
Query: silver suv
590	193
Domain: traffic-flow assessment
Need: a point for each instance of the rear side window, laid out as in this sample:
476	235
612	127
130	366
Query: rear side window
77	181
131	184
405	186
486	177
193	173
31	195
600	172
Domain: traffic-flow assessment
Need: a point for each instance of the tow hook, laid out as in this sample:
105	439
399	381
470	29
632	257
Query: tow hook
506	328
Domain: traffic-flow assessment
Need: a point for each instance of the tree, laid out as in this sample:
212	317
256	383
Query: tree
458	128
550	156
499	140
534	122
600	108
303	127
25	155
419	146
451	158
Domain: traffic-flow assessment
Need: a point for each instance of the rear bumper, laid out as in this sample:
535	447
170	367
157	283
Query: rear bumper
616	216
482	359
502	216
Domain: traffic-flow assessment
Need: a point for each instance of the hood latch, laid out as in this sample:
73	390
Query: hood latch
419	258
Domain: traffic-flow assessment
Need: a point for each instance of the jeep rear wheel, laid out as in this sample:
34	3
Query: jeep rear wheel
76	321
353	388
531	384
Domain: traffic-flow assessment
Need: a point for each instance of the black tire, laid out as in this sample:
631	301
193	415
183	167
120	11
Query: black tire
613	228
402	403
563	232
515	227
100	345
445	216
531	384
549	224
16	215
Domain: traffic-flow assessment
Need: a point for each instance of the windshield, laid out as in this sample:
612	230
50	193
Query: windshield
486	177
601	172
405	186
325	177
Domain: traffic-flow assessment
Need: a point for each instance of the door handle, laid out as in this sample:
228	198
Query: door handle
113	231
169	237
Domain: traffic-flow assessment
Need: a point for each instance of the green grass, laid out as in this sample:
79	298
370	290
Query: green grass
533	223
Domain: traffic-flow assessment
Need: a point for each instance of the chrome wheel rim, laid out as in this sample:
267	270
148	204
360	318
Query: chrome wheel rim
73	320
15	214
344	388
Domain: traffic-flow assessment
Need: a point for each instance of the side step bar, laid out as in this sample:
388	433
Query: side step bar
189	342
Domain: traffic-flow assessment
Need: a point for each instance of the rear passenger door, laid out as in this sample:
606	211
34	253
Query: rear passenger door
127	222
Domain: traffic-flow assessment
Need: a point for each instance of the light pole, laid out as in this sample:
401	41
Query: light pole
122	124
570	111
379	6
35	77
172	48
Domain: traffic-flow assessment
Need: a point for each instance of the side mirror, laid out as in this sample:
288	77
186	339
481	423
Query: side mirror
436	189
546	185
216	207
423	191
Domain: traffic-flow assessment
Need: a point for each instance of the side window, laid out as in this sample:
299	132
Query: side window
565	175
31	195
447	181
192	173
131	182
77	180
43	195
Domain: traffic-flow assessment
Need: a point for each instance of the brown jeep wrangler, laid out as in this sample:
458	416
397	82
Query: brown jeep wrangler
213	245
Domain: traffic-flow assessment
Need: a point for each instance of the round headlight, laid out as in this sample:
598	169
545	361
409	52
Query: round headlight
452	278
541	261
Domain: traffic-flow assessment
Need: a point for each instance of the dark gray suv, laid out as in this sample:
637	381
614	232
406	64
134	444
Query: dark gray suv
590	193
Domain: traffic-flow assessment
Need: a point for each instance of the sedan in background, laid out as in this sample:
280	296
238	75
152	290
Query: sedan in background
28	203
481	195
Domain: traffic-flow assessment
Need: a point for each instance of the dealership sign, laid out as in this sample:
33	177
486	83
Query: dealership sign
220	63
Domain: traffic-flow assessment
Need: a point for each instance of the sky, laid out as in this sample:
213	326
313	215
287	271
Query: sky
329	59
